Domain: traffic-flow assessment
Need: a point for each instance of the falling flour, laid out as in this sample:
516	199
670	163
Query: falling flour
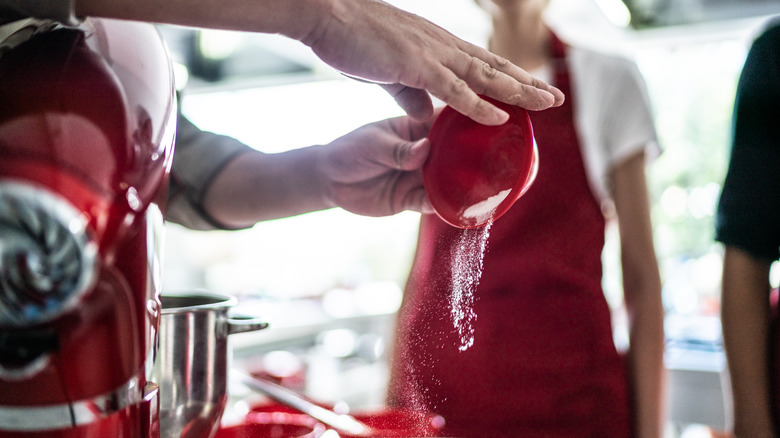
468	253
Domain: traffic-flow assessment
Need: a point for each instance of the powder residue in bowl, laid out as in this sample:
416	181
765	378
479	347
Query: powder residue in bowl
483	211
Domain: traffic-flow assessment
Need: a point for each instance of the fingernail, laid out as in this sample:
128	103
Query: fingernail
548	99
418	145
558	95
496	117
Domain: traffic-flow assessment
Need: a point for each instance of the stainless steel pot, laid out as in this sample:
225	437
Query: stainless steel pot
192	361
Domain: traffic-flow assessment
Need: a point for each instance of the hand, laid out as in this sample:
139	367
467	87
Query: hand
367	39
376	169
372	40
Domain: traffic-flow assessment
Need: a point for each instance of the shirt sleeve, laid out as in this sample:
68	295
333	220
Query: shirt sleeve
198	158
59	10
612	113
748	214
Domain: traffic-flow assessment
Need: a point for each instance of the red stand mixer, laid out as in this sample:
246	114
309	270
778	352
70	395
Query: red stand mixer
87	125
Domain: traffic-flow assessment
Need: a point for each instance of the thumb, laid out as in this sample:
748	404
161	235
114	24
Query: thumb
412	155
415	102
409	194
417	200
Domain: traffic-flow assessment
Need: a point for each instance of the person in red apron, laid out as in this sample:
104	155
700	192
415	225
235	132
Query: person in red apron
543	362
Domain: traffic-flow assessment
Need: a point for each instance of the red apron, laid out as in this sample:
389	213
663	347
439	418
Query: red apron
543	362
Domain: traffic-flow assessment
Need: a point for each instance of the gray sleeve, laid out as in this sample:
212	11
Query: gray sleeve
198	158
59	10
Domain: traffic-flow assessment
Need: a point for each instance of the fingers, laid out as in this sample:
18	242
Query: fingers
410	195
415	102
459	85
526	80
408	191
456	93
411	156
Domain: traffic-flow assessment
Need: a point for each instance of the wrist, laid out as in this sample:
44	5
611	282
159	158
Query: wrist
322	177
304	22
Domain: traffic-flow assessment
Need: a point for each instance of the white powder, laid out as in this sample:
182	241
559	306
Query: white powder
482	211
467	256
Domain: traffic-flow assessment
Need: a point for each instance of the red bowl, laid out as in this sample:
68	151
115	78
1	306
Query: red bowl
474	172
385	422
399	423
273	423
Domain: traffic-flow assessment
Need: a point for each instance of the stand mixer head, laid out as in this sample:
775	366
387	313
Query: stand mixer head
87	124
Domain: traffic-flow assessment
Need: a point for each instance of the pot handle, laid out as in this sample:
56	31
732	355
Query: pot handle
244	323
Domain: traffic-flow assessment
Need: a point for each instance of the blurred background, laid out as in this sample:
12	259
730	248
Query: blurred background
330	282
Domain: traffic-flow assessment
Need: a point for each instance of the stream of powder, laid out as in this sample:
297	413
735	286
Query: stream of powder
467	256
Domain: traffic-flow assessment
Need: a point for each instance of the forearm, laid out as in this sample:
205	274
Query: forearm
745	319
255	186
642	292
645	357
292	18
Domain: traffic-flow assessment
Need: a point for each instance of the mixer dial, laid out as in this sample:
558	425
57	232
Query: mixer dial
47	257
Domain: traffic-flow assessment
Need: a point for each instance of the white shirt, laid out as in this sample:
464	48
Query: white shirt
612	113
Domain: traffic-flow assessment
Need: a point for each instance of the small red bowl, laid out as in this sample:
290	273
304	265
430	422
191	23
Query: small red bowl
384	422
268	422
475	173
399	423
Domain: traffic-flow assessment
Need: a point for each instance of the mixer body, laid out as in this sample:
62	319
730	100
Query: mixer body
87	126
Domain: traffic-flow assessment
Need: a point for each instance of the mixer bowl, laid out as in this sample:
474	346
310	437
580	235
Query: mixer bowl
192	361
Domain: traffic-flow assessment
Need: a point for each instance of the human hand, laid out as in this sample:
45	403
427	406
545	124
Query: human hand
367	39
376	170
411	57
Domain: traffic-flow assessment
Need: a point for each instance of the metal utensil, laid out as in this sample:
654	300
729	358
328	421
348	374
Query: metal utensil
192	361
341	422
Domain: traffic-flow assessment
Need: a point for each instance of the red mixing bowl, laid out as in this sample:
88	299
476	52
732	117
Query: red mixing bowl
399	423
385	423
274	423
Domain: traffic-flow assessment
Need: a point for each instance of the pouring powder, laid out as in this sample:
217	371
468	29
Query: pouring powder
467	256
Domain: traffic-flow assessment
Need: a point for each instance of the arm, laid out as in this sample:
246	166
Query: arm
369	39
374	171
642	289
745	319
747	224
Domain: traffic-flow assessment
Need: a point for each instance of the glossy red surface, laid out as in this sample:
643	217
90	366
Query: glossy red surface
274	421
385	422
89	114
400	423
95	104
274	425
135	421
255	430
472	166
